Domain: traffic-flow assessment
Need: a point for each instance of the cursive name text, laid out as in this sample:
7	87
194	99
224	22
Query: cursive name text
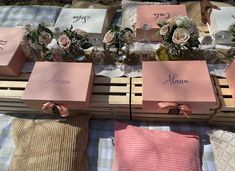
161	15
2	43
57	80
173	80
81	18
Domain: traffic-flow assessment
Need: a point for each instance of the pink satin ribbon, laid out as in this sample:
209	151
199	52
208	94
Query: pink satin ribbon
63	111
184	109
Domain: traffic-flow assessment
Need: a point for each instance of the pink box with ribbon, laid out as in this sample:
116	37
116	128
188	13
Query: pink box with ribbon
151	14
230	76
12	57
177	87
61	83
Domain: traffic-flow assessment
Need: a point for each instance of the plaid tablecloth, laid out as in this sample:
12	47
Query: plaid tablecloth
100	149
11	16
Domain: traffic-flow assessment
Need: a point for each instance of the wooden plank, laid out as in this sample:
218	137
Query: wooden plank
11	93
13	84
169	120
106	80
144	115
224	91
110	89
227	104
217	123
22	76
227	114
220	81
223	119
137	81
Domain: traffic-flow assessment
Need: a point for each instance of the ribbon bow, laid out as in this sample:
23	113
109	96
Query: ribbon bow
183	109
56	108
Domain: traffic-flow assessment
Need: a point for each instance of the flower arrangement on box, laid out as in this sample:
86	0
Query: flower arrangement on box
117	42
230	55
177	34
66	45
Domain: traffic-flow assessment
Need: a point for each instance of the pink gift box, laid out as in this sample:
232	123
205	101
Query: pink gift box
230	76
180	82
12	57
151	14
67	84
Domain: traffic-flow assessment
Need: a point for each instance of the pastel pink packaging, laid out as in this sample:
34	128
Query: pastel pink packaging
184	83
12	57
63	83
151	14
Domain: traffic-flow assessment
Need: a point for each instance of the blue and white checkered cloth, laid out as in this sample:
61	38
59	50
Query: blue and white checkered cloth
11	16
100	150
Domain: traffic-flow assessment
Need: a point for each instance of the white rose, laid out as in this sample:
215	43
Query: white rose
180	36
64	42
54	47
109	38
183	21
44	38
164	30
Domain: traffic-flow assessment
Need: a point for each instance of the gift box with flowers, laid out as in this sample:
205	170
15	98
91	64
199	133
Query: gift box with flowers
178	34
45	44
117	43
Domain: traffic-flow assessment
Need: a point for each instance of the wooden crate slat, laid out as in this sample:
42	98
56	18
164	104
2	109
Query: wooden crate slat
224	119
106	80
222	123
12	104
137	89
11	93
13	84
22	76
111	89
137	81
168	119
169	116
109	99
226	114
221	81
224	91
139	110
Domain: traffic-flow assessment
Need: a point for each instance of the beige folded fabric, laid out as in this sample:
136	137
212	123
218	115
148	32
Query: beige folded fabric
49	145
223	144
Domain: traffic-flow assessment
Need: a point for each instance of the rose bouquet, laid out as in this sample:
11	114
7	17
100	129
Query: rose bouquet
117	41
178	34
65	45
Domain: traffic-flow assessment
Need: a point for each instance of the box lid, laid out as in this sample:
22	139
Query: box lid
59	81
177	81
10	39
218	22
150	14
89	20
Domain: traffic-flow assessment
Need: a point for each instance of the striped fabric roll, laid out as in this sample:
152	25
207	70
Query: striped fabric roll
43	145
138	149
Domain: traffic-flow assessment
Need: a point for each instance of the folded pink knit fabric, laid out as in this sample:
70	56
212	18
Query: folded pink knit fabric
138	149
